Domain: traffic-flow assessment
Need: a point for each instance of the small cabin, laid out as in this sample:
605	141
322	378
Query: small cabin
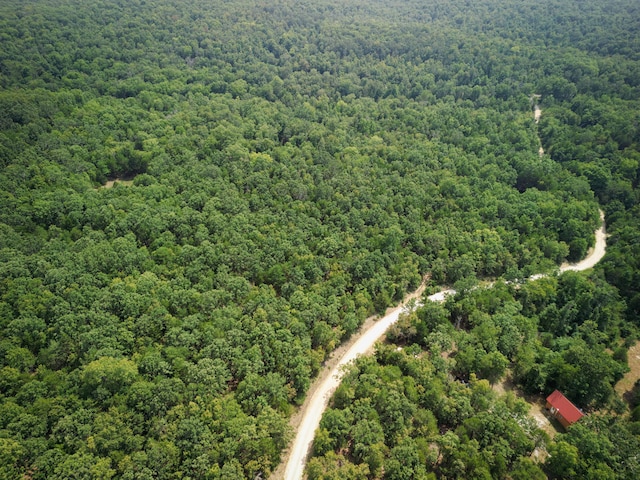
562	409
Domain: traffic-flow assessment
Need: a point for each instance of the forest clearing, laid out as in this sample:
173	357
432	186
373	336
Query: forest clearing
625	387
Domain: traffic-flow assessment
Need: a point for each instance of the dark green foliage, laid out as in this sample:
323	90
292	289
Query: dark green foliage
282	171
598	447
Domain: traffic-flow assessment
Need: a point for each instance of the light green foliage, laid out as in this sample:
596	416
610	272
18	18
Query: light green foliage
483	435
563	460
335	467
10	454
108	375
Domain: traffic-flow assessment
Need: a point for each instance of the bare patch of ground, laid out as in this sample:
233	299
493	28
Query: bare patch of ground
540	414
625	386
536	404
122	181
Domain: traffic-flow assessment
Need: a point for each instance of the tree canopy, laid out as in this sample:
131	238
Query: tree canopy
277	172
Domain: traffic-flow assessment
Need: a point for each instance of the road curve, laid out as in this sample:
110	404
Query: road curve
594	255
319	397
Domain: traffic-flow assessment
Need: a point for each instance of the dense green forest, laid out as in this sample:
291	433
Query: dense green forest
284	170
424	407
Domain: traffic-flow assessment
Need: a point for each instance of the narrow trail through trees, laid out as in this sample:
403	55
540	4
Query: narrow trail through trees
308	419
625	386
537	113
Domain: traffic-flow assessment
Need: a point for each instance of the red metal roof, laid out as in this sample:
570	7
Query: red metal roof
568	410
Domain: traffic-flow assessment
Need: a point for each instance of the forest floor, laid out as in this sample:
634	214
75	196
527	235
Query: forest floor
625	386
123	181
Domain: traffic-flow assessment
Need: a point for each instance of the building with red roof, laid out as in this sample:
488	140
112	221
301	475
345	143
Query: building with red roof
562	409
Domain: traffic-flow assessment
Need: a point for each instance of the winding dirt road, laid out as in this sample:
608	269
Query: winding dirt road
308	419
594	255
